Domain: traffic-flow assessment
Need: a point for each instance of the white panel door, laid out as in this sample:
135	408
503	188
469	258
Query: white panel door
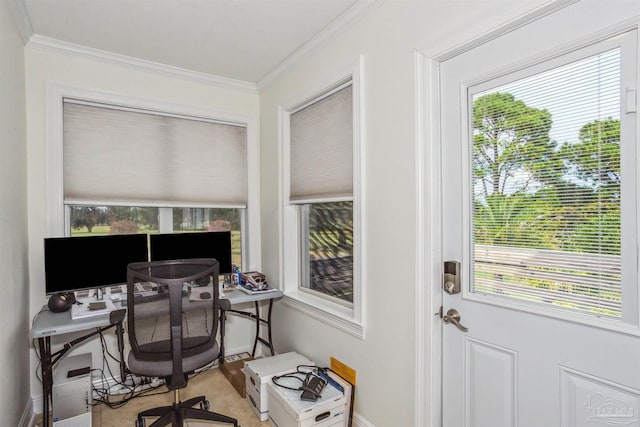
549	287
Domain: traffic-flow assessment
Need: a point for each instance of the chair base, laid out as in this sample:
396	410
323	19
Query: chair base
176	414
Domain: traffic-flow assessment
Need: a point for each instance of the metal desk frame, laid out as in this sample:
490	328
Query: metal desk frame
48	324
238	297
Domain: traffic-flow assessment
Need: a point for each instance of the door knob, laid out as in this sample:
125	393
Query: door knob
453	316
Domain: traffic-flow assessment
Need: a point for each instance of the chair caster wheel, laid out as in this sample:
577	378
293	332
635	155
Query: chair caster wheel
140	422
204	405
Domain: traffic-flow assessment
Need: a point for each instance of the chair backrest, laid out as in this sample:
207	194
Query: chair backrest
164	323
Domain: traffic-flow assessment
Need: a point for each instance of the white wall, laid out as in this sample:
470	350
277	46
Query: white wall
45	67
386	38
14	313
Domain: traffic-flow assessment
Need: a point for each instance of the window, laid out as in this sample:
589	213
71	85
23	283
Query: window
547	182
321	174
321	205
327	254
129	170
105	220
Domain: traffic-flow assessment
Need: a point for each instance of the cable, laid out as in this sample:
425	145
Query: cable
304	374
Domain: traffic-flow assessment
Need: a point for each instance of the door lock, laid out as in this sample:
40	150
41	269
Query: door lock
453	316
451	277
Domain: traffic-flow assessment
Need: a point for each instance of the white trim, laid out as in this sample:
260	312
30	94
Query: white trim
360	421
48	44
325	311
28	415
356	11
467	42
428	292
429	208
348	320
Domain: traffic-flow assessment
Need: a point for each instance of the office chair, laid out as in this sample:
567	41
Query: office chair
170	335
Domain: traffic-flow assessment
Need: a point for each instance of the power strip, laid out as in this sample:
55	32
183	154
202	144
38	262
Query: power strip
139	384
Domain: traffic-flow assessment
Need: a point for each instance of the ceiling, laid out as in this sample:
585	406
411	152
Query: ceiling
244	40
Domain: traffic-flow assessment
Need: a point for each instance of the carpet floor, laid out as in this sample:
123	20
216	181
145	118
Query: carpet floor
222	397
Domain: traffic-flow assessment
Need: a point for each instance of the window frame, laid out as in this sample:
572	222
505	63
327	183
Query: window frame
349	318
625	40
58	211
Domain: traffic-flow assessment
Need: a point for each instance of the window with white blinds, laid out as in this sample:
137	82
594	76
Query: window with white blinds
114	154
321	148
321	187
546	183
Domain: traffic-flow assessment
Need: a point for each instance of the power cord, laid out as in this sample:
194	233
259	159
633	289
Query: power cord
311	383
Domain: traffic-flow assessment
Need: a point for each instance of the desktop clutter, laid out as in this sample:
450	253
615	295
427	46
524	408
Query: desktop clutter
290	390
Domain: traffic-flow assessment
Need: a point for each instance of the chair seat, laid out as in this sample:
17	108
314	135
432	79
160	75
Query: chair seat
164	368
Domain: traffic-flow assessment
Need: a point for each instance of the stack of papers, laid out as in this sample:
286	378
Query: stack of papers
82	311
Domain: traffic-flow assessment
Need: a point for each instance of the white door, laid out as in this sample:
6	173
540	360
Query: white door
540	206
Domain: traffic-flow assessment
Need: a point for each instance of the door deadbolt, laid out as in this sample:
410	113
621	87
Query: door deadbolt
451	277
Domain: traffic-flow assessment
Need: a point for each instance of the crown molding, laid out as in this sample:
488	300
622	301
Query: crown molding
359	9
21	19
53	45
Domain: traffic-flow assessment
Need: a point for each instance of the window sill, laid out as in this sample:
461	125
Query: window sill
325	311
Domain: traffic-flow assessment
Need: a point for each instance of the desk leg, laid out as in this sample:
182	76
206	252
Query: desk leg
120	335
259	319
255	341
269	327
47	378
223	318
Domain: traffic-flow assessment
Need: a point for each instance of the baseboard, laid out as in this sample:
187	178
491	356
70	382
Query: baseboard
28	415
360	421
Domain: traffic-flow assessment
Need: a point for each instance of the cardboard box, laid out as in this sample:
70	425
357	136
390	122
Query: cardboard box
286	409
234	373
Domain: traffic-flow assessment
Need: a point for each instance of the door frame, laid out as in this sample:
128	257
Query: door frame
429	258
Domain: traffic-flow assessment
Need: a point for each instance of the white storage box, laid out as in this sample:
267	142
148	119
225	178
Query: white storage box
286	409
259	372
71	393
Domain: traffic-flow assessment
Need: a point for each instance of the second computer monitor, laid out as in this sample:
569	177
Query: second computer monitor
214	244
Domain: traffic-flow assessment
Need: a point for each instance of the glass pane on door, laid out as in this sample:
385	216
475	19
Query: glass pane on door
546	184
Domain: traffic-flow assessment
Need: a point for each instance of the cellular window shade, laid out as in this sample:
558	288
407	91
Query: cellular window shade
321	153
113	154
547	187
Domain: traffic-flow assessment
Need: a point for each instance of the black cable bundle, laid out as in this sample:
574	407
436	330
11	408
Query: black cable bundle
311	384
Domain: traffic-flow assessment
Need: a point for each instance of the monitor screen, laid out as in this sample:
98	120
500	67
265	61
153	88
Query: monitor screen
77	263
215	244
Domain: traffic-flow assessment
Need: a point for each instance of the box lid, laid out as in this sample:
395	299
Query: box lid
300	409
267	367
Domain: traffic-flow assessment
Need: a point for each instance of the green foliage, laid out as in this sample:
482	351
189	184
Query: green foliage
511	139
596	159
87	216
125	226
533	192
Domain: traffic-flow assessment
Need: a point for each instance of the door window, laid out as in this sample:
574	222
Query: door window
547	180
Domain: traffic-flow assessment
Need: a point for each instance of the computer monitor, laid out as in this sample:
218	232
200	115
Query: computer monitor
78	263
213	244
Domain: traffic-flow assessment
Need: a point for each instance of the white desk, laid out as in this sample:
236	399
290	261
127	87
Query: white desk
48	324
